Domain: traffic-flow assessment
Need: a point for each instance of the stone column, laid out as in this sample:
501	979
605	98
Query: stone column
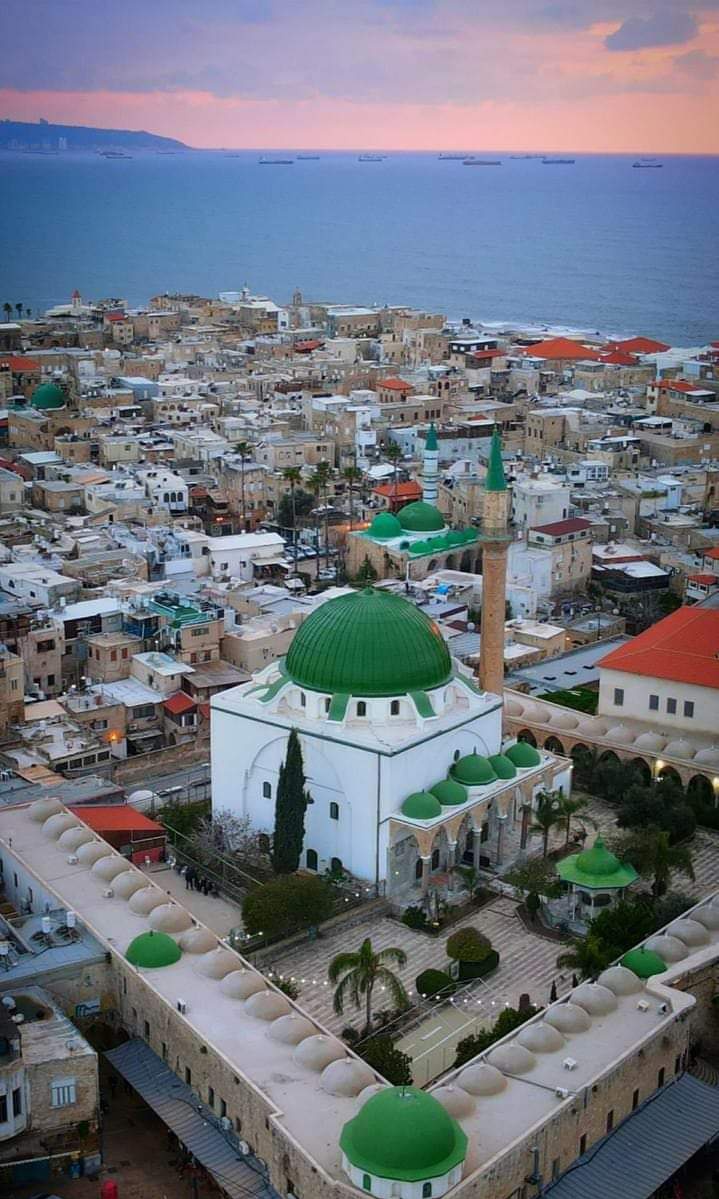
426	864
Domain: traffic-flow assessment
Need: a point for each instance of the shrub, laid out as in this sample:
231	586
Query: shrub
288	987
468	944
431	983
382	1055
285	905
509	1019
414	917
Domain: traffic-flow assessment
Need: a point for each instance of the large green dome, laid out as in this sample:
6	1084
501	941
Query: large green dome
421	518
385	526
48	395
473	770
405	1134
368	643
151	950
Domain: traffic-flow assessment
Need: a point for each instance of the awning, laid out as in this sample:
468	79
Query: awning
648	1147
192	1122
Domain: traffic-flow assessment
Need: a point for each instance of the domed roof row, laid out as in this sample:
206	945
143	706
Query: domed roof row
473	770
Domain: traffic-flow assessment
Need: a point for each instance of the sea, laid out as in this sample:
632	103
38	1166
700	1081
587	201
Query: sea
593	245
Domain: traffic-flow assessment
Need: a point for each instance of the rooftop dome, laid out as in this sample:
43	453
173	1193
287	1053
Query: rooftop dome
523	755
670	949
691	932
405	1134
151	950
512	1058
708	757
503	766
368	643
449	793
643	962
594	998
679	748
421	518
620	980
596	868
385	526
482	1079
568	1018
473	770
650	741
621	734
421	806
47	396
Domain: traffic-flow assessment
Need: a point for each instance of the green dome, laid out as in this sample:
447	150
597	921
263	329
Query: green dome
421	806
523	755
368	643
503	766
643	962
151	950
449	793
405	1134
421	518
384	526
419	547
474	771
48	395
596	869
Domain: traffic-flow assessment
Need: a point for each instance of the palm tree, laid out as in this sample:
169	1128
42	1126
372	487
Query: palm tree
568	809
244	449
318	483
393	452
293	475
546	816
586	957
661	859
469	875
7	309
353	475
19	310
357	974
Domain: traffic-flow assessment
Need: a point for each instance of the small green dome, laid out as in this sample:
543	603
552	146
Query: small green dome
596	869
47	396
474	771
449	793
523	755
455	537
419	547
405	1134
151	950
421	806
421	518
643	962
598	860
369	643
385	526
503	766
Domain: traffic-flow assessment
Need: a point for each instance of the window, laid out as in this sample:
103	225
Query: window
188	1076
635	1100
394	708
303	700
17	1102
164	1051
51	680
336	865
267	790
677	1064
653	703
426	1190
328	701
147	1030
311	857
366	1182
3	1109
63	1092
618	696
672	707
660	1078
223	1108
689	708
556	1167
583	1144
334	811
211	1097
361	708
610	1120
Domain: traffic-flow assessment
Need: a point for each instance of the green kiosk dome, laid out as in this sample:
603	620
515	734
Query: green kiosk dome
385	526
404	1135
449	793
473	771
523	755
368	643
421	518
421	806
151	950
643	962
596	868
47	396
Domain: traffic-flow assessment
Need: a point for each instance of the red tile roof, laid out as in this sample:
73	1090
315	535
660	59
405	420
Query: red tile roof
403	491
396	384
709	580
713	554
680	385
683	648
561	347
17	363
558	528
116	818
640	345
619	358
306	347
484	354
179	702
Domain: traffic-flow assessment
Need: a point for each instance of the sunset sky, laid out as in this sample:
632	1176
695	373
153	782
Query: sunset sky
595	75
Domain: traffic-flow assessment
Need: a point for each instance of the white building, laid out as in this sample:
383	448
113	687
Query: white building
238	556
539	500
165	487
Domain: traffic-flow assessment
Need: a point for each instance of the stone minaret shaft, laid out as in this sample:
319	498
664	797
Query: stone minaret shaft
495	542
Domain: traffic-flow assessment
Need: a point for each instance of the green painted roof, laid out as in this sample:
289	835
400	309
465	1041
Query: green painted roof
503	766
421	518
473	770
431	442
523	755
449	792
596	869
421	806
385	526
369	643
151	950
495	480
405	1134
48	395
643	962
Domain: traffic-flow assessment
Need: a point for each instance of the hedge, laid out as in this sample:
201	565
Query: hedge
433	982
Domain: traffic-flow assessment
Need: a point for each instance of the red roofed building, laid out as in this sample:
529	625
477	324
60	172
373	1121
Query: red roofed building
126	829
668	675
619	358
391	390
306	347
561	349
639	345
180	717
699	586
394	496
19	375
569	544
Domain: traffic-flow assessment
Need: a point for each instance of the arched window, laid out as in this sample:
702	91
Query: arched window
455	756
394	708
328	701
366	1182
267	790
303	700
334	811
435	859
311	859
336	865
361	708
426	1190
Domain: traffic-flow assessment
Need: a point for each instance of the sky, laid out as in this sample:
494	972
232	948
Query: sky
582	75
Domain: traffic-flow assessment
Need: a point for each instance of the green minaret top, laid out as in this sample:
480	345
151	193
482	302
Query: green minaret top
495	480
431	442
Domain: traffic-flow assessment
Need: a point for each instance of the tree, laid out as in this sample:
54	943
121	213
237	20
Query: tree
546	816
292	475
355	976
383	1056
610	779
293	507
353	475
224	832
290	807
506	1022
244	450
468	944
366	572
569	807
470	876
660	805
588	956
393	453
286	905
652	854
435	984
535	876
7	309
19	310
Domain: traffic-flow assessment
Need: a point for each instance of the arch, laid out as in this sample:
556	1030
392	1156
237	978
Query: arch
466	562
554	745
609	756
668	772
528	736
450	562
641	769
700	791
311	859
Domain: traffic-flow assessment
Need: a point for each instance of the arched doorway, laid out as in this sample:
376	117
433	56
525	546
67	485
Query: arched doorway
609	757
701	792
640	771
670	775
528	736
554	746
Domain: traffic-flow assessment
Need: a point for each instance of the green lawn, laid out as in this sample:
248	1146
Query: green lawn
581	699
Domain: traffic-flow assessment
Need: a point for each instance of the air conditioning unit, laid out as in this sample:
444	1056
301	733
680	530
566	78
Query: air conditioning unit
569	1063
72	859
182	1007
108	893
561	1092
244	1148
226	1123
642	1006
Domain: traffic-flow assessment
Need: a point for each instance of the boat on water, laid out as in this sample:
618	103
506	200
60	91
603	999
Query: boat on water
113	154
371	158
308	157
276	162
482	162
451	157
522	157
646	164
558	162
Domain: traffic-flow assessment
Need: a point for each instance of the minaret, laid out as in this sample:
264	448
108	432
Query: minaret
495	541
430	470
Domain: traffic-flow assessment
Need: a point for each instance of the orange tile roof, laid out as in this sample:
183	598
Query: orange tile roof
713	554
179	702
619	358
680	385
116	818
709	580
561	347
640	345
396	384
18	362
683	648
402	491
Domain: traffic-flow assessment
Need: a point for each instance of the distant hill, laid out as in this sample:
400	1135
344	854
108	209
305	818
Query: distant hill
22	135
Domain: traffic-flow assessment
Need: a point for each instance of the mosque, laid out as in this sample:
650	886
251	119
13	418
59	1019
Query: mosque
403	750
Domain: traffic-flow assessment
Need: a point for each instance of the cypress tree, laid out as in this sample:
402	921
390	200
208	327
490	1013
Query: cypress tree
290	807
